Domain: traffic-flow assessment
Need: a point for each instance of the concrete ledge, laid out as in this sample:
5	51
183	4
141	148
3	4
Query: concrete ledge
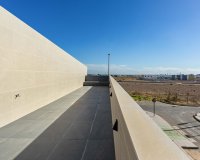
95	83
138	137
96	78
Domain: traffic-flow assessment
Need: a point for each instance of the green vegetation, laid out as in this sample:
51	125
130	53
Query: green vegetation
165	98
169	98
139	97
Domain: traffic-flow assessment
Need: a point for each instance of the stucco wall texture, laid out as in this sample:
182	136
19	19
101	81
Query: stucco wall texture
33	70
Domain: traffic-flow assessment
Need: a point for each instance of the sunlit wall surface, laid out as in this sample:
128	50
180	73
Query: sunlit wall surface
33	70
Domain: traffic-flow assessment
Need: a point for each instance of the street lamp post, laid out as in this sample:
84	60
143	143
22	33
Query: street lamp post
108	65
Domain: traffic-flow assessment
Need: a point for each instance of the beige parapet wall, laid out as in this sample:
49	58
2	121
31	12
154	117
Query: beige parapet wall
138	137
33	70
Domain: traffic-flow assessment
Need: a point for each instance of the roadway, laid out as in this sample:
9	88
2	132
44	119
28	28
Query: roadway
179	116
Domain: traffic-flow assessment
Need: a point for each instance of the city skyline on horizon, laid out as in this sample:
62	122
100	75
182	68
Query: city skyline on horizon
128	70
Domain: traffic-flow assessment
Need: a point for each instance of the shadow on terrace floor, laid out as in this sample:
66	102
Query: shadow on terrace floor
83	132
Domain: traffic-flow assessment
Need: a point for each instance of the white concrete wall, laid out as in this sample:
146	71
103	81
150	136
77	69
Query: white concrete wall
138	137
33	67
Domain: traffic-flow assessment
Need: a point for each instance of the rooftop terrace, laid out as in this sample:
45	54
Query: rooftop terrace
44	117
77	126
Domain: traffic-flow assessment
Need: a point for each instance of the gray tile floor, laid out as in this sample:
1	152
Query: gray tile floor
58	131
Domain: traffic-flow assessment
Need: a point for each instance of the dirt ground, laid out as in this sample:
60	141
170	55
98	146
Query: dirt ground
170	92
174	92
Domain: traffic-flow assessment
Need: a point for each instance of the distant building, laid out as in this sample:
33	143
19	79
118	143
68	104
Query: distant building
157	77
174	77
166	77
184	77
180	77
197	76
150	77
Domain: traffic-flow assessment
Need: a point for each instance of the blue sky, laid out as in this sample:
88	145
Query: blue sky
142	36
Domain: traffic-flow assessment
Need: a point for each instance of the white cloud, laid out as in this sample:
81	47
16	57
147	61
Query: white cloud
114	69
125	69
